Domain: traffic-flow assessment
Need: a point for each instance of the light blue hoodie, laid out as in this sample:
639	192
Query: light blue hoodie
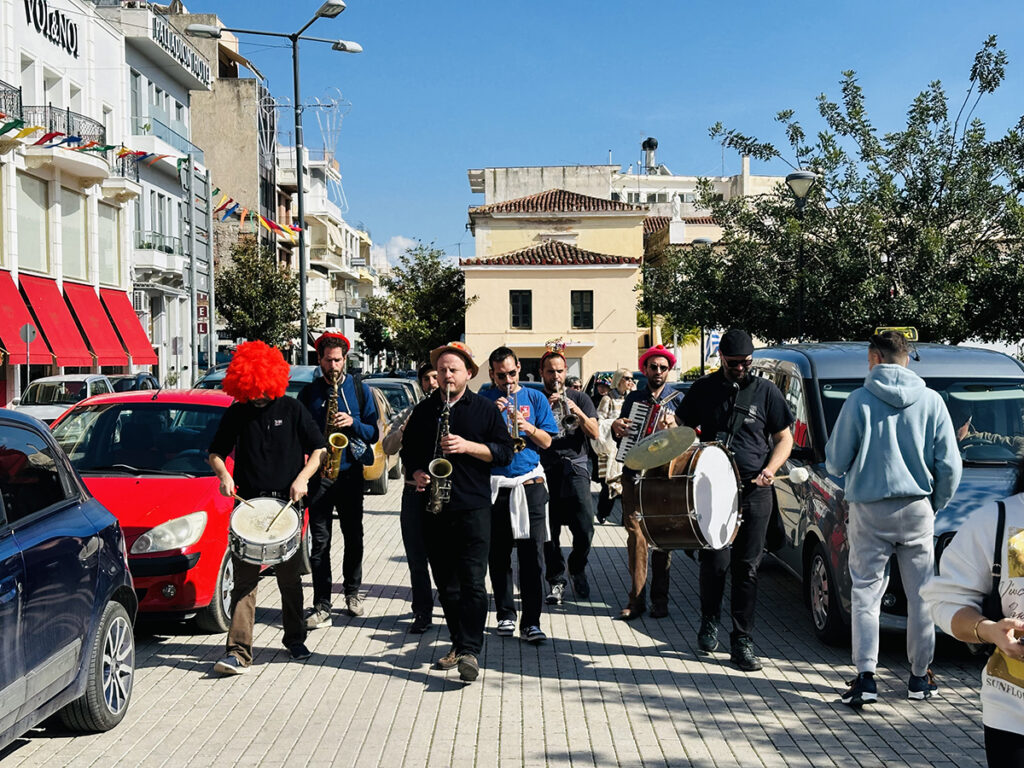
894	439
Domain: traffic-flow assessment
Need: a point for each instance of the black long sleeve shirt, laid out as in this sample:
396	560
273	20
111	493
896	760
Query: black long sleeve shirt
472	418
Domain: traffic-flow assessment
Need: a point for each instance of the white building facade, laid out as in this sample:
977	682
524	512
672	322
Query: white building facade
65	196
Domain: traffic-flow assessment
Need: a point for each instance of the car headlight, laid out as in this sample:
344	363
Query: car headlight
174	534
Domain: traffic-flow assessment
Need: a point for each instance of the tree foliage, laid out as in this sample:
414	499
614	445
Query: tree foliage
258	298
425	305
919	226
372	326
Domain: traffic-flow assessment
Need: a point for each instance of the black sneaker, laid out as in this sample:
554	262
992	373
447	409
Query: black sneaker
230	665
923	687
534	635
469	667
299	652
861	691
659	610
318	616
421	623
707	635
353	605
743	655
581	586
556	595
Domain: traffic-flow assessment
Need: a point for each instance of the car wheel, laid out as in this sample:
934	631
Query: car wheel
396	471
216	617
823	599
379	486
110	673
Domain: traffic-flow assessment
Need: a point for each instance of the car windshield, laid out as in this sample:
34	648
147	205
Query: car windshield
55	393
987	415
140	436
396	394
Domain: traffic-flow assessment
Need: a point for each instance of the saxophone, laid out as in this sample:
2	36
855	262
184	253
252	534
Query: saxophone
336	439
440	468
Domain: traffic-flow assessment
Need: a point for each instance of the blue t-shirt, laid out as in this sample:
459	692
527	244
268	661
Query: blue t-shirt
535	407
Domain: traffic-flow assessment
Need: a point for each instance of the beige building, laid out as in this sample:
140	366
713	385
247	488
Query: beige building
556	265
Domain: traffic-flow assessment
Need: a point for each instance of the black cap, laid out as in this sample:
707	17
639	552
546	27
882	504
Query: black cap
735	343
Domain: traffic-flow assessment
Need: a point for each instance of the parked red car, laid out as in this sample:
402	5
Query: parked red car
143	454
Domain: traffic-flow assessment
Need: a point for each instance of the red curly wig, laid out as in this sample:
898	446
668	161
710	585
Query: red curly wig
257	370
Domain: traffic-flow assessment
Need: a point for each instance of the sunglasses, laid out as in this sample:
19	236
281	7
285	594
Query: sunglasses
745	363
656	367
627	378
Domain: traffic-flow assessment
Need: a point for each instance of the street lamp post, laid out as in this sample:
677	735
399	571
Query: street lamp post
800	183
329	10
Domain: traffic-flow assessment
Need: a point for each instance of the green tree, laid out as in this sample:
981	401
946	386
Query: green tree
258	298
372	327
426	302
919	226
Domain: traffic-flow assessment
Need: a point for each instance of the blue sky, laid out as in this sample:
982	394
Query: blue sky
449	85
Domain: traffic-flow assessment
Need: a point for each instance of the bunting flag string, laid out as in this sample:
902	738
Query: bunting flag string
59	140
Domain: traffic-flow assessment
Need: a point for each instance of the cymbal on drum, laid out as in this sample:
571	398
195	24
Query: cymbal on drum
660	448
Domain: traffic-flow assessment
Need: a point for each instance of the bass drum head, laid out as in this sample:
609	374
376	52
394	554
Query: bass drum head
716	496
249	521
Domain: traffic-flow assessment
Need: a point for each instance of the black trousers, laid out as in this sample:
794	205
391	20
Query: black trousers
346	496
740	561
458	544
572	505
1004	748
529	551
413	537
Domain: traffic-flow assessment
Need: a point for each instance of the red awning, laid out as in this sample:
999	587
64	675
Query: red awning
127	323
94	321
13	315
58	325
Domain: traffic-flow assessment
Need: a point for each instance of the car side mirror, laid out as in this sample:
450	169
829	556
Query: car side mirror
16	402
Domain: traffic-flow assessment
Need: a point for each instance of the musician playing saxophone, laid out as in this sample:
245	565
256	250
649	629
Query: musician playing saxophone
567	466
656	363
355	414
519	499
459	536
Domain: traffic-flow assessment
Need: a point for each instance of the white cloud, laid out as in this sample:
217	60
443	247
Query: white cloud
391	250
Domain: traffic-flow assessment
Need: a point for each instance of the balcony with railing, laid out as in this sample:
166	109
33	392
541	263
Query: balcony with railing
90	167
156	251
150	126
10	100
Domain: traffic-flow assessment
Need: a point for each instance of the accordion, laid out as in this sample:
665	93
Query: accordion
642	418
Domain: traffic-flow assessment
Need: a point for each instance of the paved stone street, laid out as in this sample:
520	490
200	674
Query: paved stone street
600	692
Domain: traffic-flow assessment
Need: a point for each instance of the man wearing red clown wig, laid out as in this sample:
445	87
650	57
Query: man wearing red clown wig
356	416
270	435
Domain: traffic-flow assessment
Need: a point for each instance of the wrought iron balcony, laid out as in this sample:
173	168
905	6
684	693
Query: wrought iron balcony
67	122
126	167
10	100
147	240
150	126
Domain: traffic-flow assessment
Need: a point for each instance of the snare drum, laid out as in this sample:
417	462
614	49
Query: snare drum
694	502
251	542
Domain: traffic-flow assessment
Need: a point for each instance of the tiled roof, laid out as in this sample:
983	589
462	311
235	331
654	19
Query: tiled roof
654	224
551	253
558	201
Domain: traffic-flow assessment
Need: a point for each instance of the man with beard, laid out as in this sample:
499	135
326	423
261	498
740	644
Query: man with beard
656	362
759	441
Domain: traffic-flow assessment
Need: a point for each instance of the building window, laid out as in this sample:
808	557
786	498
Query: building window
33	232
521	306
582	309
73	235
109	245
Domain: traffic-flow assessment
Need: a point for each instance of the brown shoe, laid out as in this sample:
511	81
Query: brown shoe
631	612
449	661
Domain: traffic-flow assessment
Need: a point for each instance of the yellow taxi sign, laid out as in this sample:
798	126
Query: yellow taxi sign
909	331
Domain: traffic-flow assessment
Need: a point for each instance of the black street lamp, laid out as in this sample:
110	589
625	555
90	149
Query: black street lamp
328	10
800	183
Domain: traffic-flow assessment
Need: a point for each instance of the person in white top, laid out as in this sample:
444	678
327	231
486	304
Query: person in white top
955	598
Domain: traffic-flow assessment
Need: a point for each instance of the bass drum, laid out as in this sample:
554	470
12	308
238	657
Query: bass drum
693	502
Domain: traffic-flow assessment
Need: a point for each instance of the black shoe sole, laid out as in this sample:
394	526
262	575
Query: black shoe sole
743	666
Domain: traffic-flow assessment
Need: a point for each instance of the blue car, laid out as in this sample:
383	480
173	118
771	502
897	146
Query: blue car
66	600
984	392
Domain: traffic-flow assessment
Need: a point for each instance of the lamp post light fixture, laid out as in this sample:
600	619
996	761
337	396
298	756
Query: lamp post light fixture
329	10
800	183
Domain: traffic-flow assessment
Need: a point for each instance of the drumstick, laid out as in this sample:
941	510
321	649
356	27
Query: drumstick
243	501
797	475
281	512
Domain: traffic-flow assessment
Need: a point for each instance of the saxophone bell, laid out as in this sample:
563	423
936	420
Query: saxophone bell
439	468
338	441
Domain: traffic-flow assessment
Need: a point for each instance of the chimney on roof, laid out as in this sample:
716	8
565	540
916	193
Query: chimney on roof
649	146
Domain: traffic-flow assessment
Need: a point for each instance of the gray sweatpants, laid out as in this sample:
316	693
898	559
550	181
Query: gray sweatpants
877	529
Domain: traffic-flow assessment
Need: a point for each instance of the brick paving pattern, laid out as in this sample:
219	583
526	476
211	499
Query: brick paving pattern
598	693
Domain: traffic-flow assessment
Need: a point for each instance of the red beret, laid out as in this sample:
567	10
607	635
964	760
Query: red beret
328	335
659	351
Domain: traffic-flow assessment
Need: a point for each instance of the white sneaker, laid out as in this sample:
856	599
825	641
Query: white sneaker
506	628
